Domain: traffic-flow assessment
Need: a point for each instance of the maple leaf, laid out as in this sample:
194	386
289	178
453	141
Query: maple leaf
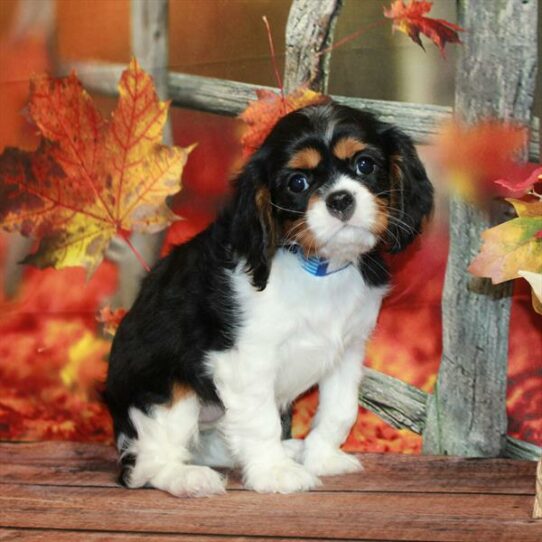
410	19
90	178
262	114
513	246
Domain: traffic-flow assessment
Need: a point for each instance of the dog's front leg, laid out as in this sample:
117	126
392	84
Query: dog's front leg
252	428
337	412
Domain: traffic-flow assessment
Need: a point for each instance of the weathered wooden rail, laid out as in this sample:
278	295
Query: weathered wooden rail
229	98
405	407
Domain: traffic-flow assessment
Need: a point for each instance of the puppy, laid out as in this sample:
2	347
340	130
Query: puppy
279	294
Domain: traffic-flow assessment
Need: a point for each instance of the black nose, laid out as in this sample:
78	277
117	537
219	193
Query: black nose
341	204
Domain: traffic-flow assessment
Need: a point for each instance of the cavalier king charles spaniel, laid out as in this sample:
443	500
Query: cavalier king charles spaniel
279	294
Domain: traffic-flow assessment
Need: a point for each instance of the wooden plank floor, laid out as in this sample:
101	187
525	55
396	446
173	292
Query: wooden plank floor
67	491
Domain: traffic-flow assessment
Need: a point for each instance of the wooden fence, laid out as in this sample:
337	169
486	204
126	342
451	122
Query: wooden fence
495	77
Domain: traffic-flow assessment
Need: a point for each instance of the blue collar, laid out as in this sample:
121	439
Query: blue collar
318	267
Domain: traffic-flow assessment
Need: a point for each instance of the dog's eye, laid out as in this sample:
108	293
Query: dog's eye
298	183
364	165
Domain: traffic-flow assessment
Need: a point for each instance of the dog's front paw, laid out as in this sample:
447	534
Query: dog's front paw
285	476
330	461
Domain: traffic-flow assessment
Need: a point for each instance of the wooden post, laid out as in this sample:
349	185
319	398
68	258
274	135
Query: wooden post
150	45
309	31
150	40
495	78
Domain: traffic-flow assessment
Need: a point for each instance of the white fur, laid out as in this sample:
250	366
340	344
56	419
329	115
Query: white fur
301	330
162	450
340	240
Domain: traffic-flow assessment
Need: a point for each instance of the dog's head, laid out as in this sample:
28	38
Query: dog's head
335	181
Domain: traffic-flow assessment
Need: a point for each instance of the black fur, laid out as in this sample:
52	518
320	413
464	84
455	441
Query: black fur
373	268
251	234
413	201
182	311
186	306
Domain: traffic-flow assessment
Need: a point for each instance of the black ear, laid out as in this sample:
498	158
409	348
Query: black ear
254	232
411	192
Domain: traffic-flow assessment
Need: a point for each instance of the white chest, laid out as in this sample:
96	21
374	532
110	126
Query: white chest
297	329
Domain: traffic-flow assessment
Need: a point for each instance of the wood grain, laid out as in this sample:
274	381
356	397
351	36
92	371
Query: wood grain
377	516
401	405
65	491
309	31
50	535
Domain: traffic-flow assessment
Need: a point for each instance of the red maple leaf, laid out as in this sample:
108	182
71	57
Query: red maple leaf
410	19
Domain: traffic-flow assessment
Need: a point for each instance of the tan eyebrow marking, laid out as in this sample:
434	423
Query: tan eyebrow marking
307	158
346	147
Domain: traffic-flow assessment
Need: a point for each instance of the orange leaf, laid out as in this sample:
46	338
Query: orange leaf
262	114
90	178
410	19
